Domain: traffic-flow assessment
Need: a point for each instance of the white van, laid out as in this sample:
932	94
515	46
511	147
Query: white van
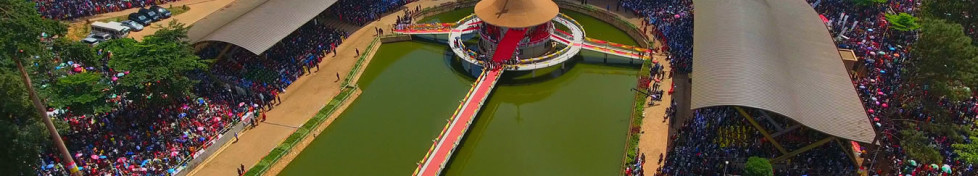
116	29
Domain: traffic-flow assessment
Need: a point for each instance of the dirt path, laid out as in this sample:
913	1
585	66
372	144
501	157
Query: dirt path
198	9
131	10
302	100
275	168
284	161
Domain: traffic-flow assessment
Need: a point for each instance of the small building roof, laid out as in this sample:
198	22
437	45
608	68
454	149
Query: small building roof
516	13
774	55
848	55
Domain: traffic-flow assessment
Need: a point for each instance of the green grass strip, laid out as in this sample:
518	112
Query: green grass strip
272	157
634	128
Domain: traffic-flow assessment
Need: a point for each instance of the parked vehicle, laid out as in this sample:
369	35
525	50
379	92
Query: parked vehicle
140	18
164	13
150	14
114	29
90	40
95	39
132	25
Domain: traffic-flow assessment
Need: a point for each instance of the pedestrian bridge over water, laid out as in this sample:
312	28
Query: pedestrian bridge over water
574	40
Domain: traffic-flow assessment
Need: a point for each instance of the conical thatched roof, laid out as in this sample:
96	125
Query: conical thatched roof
516	13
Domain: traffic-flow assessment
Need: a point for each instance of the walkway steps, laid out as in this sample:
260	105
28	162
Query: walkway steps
507	45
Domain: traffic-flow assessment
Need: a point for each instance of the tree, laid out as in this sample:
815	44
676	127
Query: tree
902	21
948	61
83	93
967	152
23	136
918	147
22	30
954	11
76	51
175	32
19	134
868	2
757	166
158	66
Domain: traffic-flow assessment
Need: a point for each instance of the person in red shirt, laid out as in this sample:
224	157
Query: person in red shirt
276	97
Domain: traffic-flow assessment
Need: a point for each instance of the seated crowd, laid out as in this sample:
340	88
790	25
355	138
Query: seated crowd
121	144
267	74
361	12
718	135
133	140
71	9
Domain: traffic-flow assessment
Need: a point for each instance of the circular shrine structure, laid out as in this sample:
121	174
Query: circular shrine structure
535	51
537	47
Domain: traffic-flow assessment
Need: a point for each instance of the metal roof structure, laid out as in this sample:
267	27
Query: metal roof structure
778	56
516	13
256	25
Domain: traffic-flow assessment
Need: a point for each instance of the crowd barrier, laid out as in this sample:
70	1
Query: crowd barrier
211	146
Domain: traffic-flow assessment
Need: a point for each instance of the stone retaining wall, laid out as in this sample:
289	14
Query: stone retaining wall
395	38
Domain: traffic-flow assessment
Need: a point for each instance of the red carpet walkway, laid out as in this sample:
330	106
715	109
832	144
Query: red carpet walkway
436	159
506	46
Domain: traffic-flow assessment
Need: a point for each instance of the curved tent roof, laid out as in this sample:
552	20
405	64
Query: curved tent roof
775	55
256	25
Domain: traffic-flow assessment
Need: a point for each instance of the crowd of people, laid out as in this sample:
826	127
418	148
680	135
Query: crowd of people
882	89
71	9
133	139
863	29
118	143
124	142
361	12
718	140
266	75
672	24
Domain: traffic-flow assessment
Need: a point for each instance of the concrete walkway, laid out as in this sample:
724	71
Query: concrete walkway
655	129
438	158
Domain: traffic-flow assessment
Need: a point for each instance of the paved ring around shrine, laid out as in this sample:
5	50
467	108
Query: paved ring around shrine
549	60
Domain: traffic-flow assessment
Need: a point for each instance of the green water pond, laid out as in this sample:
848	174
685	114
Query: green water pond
571	124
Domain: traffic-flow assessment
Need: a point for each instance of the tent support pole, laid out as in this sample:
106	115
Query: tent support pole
227	46
761	129
803	149
849	152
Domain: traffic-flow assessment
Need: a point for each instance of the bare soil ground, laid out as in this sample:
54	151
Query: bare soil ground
78	28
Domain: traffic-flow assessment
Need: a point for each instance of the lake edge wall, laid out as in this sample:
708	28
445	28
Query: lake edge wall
608	17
